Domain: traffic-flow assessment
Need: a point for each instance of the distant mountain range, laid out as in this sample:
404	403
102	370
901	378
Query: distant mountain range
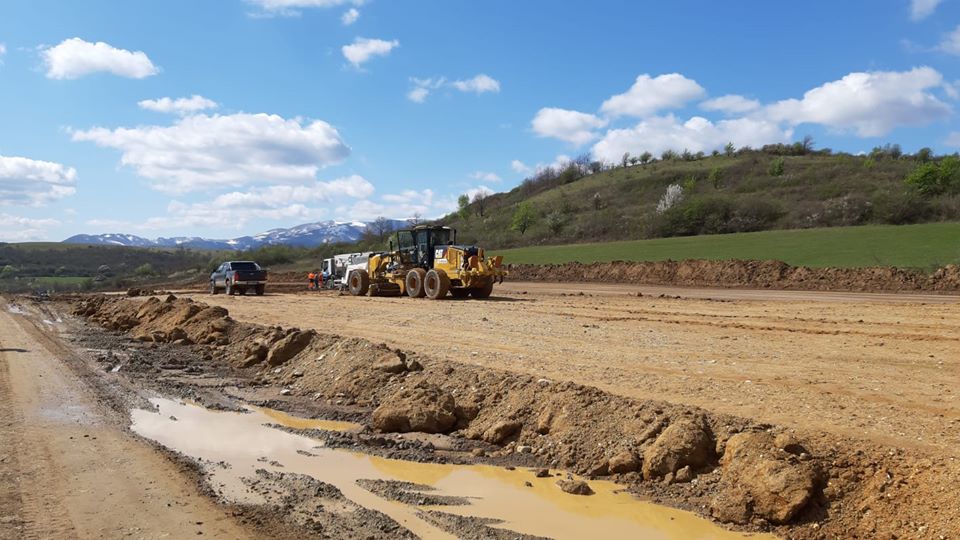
306	235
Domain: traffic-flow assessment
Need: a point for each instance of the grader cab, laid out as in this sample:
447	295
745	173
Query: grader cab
427	261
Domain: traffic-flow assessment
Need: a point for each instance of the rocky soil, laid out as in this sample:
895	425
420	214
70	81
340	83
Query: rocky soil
748	274
745	474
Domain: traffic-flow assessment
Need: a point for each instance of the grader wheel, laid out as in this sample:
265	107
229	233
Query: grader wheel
482	292
414	283
436	284
359	282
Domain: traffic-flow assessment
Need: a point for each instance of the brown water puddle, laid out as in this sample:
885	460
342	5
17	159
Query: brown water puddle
246	443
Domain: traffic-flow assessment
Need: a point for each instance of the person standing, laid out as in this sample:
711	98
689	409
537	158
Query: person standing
311	280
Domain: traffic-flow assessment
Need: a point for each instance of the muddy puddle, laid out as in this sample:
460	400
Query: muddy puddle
234	445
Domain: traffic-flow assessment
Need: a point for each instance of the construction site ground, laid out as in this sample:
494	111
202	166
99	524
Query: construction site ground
880	366
859	388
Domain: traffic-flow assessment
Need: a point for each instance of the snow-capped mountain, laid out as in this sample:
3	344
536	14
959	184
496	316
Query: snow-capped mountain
306	235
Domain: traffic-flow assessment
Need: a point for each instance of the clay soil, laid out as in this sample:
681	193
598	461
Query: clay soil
875	367
809	415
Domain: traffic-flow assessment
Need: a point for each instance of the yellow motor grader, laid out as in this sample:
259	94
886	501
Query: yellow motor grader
427	262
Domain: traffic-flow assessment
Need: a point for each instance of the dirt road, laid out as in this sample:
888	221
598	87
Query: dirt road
881	367
65	459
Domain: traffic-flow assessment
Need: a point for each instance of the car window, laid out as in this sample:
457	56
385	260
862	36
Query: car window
245	266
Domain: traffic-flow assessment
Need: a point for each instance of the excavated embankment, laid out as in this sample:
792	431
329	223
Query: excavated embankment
801	485
746	274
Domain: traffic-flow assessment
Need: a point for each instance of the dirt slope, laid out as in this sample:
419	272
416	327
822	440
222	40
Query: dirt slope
753	274
804	482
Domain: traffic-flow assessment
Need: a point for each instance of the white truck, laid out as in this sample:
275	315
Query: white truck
337	268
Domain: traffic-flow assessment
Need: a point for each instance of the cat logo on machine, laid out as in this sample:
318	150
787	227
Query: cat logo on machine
440	255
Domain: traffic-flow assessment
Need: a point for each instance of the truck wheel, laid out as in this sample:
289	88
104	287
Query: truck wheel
359	282
213	287
482	292
243	291
414	283
229	289
259	290
436	284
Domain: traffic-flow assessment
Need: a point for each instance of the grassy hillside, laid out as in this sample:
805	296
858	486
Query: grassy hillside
925	246
745	191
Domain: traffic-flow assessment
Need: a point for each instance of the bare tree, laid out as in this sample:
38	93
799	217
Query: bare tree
583	163
416	219
480	201
382	227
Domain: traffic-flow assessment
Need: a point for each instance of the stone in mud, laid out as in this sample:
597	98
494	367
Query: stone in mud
684	475
789	444
761	482
501	431
177	334
622	463
288	347
575	487
685	442
425	407
390	362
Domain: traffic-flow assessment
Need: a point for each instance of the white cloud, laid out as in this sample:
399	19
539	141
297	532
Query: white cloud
73	58
479	84
486	176
188	105
350	16
402	205
363	49
520	167
25	181
951	42
21	229
696	134
953	139
423	87
731	104
291	8
202	152
921	9
418	94
648	95
871	104
571	126
271	202
3	52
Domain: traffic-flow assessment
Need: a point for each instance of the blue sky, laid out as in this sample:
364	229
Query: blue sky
229	117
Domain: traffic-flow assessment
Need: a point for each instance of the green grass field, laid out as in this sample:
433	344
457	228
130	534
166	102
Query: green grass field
924	246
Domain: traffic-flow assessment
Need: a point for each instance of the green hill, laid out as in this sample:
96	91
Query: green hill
777	188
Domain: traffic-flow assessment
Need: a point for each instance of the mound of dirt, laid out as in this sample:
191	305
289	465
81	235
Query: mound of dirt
740	471
749	274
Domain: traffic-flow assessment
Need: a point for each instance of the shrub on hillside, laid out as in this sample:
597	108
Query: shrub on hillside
899	208
934	178
717	215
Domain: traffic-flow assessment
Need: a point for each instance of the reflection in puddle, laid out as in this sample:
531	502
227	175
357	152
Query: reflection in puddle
284	419
246	443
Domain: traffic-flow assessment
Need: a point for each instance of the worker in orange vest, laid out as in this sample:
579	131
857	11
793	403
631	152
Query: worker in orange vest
312	280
